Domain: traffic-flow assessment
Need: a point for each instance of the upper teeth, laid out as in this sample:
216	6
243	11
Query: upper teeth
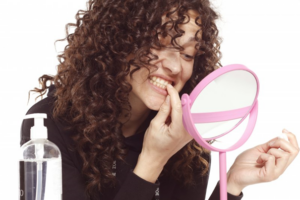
159	82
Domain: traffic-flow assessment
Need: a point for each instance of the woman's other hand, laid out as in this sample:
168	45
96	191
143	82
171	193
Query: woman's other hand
263	163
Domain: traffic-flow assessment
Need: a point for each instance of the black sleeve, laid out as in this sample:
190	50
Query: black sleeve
136	188
133	187
216	194
198	192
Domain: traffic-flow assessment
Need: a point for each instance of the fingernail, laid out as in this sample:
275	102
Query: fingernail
285	131
283	136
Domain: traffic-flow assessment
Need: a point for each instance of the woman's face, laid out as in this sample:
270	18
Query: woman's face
173	66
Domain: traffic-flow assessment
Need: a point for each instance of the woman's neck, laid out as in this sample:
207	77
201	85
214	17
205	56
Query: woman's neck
139	114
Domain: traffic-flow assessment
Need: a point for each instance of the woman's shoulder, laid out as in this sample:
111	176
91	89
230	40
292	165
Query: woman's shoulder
56	129
45	105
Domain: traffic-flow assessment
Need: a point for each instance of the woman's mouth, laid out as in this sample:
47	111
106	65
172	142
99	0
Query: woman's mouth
159	82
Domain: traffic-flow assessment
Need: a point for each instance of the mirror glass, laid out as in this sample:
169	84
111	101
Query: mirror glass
223	104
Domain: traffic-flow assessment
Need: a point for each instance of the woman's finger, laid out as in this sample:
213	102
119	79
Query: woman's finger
292	138
266	173
176	113
282	159
163	112
284	145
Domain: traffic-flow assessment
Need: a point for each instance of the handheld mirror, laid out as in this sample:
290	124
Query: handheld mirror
216	106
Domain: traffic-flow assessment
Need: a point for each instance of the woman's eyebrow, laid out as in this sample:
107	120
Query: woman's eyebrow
190	40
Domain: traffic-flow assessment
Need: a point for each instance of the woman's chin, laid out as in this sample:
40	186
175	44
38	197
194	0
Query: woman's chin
155	105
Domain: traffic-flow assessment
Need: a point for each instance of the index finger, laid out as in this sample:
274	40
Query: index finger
176	112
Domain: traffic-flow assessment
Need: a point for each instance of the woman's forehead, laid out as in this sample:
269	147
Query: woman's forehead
191	25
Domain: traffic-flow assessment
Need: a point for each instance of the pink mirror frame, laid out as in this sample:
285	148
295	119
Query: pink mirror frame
190	119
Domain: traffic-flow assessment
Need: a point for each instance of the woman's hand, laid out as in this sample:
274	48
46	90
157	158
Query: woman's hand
166	134
262	163
164	137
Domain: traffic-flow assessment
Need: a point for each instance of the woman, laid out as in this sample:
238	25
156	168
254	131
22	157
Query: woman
114	107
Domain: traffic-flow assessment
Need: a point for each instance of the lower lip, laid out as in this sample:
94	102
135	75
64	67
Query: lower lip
158	89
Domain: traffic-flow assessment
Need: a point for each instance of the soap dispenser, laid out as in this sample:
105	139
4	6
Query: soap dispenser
40	164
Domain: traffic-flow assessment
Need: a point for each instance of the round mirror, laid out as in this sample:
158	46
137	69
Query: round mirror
219	103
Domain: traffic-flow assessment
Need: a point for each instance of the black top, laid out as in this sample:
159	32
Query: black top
130	186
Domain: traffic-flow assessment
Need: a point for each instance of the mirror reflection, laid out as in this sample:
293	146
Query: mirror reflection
223	103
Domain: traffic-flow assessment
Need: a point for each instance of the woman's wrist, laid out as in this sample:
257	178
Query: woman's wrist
232	187
147	169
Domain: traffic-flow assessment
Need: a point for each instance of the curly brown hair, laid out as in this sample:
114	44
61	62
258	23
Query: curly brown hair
91	87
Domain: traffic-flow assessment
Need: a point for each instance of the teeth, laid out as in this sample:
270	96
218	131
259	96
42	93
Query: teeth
159	82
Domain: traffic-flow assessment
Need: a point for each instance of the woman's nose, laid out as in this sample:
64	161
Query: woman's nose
171	62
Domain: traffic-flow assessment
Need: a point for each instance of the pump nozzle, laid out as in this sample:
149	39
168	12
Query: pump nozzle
38	131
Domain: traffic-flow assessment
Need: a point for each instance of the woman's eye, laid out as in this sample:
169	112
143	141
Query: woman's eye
188	57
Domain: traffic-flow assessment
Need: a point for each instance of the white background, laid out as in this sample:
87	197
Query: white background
261	34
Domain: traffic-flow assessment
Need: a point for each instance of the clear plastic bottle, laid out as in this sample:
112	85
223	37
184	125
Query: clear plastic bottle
40	165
